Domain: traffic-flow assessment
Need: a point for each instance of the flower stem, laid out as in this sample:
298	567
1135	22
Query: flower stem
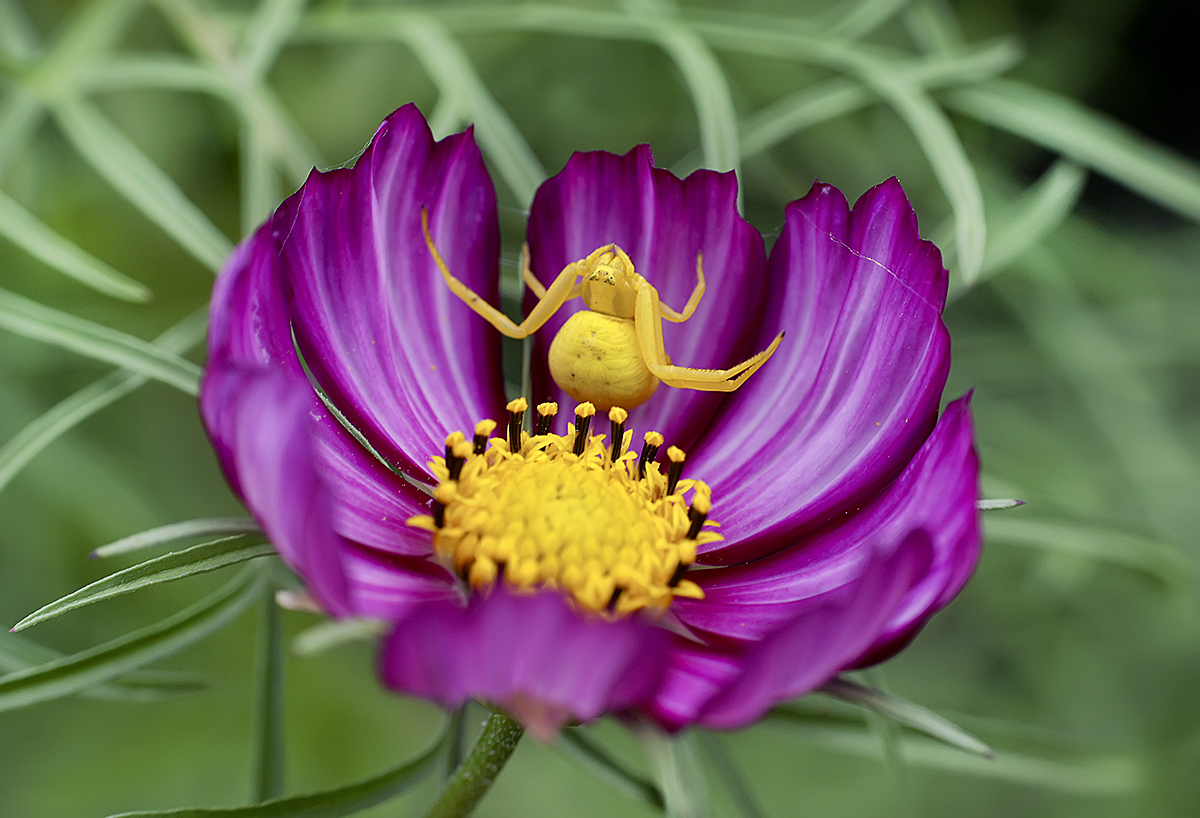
475	775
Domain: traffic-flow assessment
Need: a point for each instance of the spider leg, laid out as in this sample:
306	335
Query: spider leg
550	299
648	324
693	300
536	286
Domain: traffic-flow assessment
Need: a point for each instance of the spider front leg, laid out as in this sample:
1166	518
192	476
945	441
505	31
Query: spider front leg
693	300
648	323
550	299
536	286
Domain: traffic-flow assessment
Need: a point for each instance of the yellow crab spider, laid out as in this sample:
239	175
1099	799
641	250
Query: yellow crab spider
612	353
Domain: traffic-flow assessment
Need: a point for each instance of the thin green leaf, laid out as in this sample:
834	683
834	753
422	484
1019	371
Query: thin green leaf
948	159
706	83
1041	210
268	759
72	674
19	653
173	532
1072	773
1088	137
727	771
598	761
170	71
199	559
71	411
260	182
450	69
328	804
267	33
33	320
28	232
1152	557
854	20
140	181
907	714
828	100
18	40
998	504
20	117
684	784
92	32
322	637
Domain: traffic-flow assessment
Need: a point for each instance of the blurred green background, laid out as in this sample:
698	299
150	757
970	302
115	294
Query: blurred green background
140	138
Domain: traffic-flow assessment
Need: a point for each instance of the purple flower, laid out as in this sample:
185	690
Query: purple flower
846	505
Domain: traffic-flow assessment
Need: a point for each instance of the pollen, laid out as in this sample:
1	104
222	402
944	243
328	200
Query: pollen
577	513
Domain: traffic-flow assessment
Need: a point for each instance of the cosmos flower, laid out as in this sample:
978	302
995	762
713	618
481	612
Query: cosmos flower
550	573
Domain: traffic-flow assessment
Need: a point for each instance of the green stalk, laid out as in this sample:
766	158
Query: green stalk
475	775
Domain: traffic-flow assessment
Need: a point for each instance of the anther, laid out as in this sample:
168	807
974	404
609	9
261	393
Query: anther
617	417
516	413
698	512
612	600
546	412
443	495
677	577
483	430
462	450
451	440
583	422
675	470
649	451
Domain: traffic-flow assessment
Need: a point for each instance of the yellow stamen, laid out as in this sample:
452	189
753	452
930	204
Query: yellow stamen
572	512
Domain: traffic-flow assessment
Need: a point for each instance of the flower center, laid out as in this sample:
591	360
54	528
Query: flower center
603	525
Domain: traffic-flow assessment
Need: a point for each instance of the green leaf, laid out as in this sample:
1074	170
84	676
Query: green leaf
19	653
73	410
199	559
1074	773
727	770
598	761
837	97
1042	209
328	804
322	637
948	159
20	116
33	320
74	673
706	83
998	504
450	69
267	776
142	182
677	761
204	527
26	231
266	34
1086	136
170	71
1152	557
907	714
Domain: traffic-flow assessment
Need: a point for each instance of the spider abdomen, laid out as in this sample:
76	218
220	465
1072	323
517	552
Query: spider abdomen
596	357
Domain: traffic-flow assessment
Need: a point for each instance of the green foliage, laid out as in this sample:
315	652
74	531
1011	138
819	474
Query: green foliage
137	137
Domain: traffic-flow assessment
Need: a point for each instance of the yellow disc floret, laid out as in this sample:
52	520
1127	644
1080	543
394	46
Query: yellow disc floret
570	512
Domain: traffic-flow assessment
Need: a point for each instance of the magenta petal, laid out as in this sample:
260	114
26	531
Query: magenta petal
662	222
531	654
810	650
264	421
854	388
388	586
936	494
249	330
402	356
